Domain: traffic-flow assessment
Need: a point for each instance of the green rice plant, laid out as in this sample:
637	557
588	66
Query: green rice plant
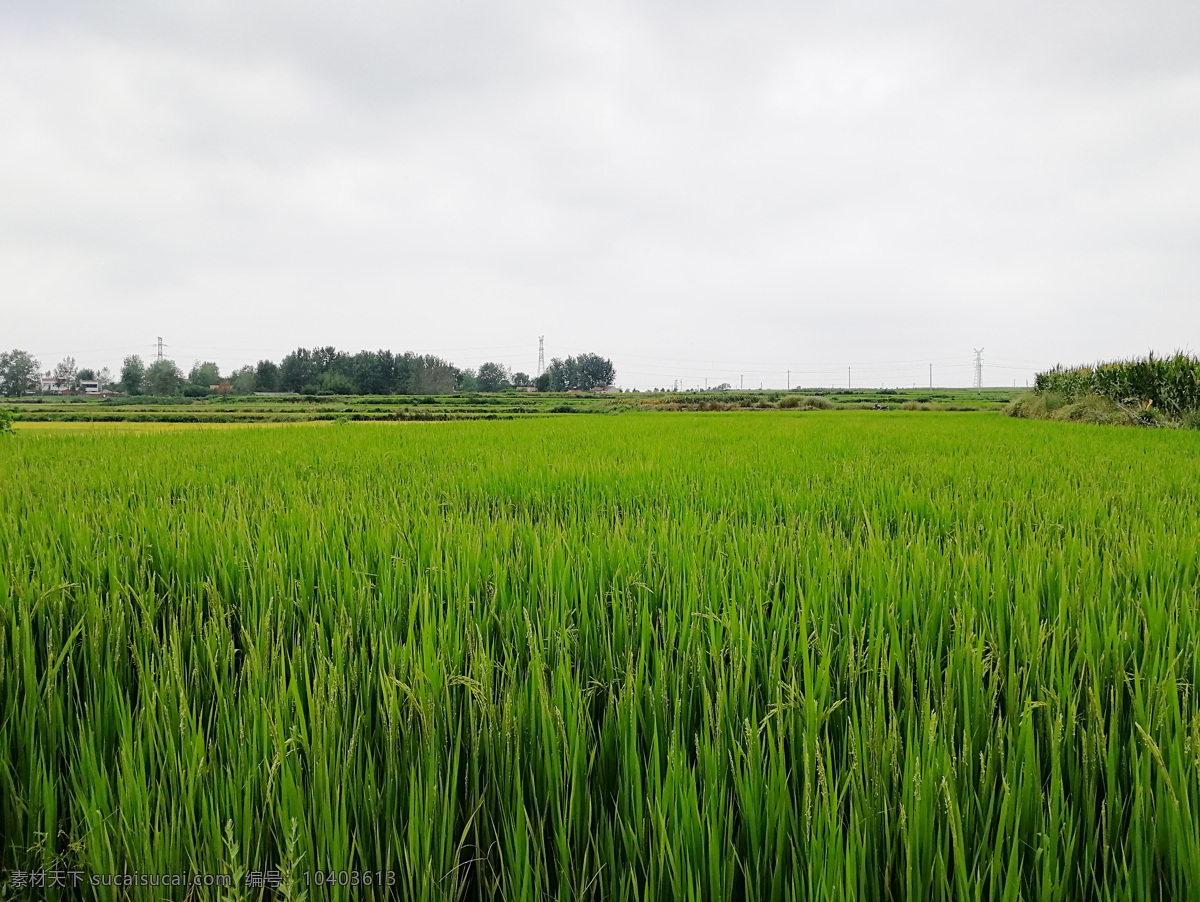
758	656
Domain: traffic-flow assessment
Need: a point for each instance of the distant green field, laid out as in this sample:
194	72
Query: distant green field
510	405
769	655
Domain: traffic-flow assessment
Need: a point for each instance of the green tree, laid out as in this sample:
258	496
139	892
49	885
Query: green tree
133	374
585	372
521	380
594	371
494	377
244	380
266	376
374	372
467	381
299	370
204	374
332	382
163	378
429	375
19	373
66	374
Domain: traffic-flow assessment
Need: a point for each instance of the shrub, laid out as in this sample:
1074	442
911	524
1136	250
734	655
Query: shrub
815	402
1093	409
6	422
1035	404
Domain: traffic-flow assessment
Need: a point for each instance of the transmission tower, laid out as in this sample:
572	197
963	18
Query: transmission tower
979	367
541	353
160	347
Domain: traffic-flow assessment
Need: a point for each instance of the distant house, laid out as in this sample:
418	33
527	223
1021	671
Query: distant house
606	389
51	385
526	388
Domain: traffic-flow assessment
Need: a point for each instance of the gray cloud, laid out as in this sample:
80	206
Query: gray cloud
695	189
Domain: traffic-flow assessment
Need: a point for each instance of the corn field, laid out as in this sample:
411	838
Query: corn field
771	656
1169	384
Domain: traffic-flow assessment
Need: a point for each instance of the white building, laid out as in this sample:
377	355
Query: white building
52	386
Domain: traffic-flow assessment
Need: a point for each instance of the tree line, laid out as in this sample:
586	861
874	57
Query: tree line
309	371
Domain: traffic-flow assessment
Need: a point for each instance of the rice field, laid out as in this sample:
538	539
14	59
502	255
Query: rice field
767	656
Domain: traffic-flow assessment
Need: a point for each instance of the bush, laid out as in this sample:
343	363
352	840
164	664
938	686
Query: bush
815	402
1094	409
6	422
1035	405
1089	408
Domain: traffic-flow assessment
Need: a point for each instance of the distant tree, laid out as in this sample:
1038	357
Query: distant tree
87	374
374	372
266	376
467	380
104	378
19	373
543	382
724	386
133	374
587	371
592	371
331	382
66	375
204	374
299	370
521	380
163	377
494	377
244	380
328	358
557	375
429	375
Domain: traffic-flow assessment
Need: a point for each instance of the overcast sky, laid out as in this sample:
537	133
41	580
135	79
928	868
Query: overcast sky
699	190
